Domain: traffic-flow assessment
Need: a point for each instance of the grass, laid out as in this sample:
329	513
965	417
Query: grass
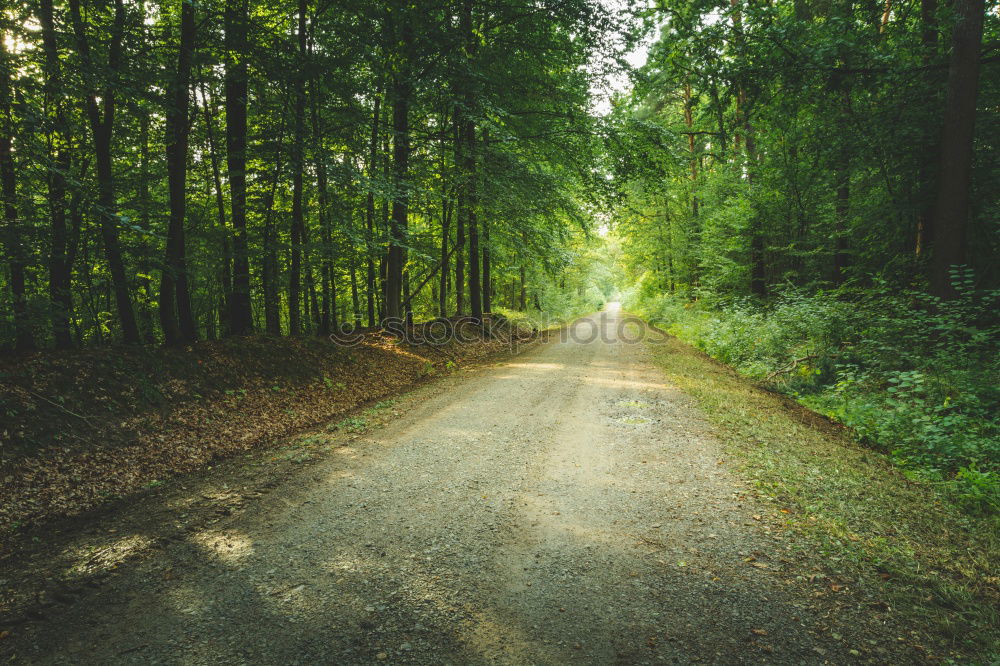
897	538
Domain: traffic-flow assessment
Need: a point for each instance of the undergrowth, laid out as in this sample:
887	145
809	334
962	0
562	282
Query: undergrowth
554	308
928	564
910	374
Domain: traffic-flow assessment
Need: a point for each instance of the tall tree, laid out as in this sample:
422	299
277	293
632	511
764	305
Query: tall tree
237	77
468	165
370	209
951	211
402	90
175	296
100	110
23	336
60	269
298	166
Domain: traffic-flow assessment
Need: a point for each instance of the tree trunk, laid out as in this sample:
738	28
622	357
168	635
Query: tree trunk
523	296
298	164
370	211
236	20
402	90
758	273
174	291
23	337
459	226
269	267
323	212
468	166
951	210
692	158
102	122
355	296
225	274
76	225
445	234
60	270
487	270
475	286
144	302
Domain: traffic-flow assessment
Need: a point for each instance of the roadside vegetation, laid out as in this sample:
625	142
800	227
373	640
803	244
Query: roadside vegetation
910	374
855	515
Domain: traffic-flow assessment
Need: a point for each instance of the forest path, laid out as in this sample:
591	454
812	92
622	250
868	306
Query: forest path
565	506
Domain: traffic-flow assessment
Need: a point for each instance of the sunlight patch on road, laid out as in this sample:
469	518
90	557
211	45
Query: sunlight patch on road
538	366
230	547
88	559
617	383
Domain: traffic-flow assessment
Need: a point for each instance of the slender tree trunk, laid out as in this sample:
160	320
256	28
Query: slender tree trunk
487	270
144	304
469	166
842	209
475	286
176	315
370	211
407	307
23	336
323	212
459	226
951	210
225	273
445	234
298	164
73	242
487	249
758	273
842	176
236	20
355	296
402	90
60	270
693	159
523	296
269	262
101	116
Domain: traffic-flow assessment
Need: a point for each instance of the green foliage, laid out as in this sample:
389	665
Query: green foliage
525	88
911	374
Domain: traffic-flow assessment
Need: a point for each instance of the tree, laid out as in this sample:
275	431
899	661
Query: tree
236	19
951	210
402	90
23	337
176	316
101	115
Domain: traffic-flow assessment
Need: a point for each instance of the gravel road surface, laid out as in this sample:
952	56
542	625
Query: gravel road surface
563	506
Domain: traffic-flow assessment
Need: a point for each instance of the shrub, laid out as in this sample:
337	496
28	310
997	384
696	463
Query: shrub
911	374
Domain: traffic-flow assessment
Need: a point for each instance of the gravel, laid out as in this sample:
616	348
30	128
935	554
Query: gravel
563	506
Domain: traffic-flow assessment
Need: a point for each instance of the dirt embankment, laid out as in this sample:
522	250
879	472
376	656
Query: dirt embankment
86	426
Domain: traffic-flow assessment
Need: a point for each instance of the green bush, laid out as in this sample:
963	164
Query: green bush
911	374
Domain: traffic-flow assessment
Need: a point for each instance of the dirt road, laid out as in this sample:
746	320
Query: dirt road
566	506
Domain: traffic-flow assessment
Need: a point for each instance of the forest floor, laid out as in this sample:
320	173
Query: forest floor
568	505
